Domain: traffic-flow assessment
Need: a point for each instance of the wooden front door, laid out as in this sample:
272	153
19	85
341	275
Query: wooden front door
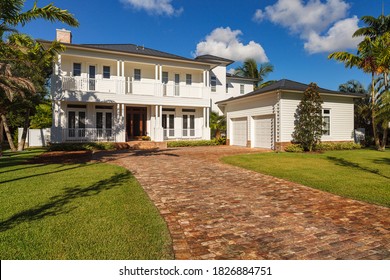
135	122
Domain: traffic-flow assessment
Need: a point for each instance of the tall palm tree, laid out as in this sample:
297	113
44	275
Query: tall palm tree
12	15
250	69
376	27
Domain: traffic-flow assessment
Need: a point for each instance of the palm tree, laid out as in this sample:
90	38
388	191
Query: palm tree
11	15
250	69
352	86
217	124
376	27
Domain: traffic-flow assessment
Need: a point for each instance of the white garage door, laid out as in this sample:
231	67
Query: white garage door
263	132
240	132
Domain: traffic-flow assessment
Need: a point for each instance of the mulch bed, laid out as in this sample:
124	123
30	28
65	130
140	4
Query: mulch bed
64	157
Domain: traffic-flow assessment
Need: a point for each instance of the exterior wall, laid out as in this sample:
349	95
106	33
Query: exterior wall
341	118
250	107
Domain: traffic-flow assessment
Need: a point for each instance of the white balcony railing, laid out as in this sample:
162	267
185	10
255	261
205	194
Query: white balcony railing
130	87
88	135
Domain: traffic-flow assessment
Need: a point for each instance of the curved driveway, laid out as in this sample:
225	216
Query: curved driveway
217	211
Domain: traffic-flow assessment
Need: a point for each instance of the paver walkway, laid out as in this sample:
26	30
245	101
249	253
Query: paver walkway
217	211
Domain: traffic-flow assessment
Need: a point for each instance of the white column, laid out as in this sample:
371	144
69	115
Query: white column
204	78
118	68
156	67
160	76
57	70
123	68
207	78
207	117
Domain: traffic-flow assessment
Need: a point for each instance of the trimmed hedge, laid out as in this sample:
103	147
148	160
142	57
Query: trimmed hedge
194	143
90	146
327	146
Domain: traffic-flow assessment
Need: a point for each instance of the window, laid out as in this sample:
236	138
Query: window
242	89
168	124
76	69
106	72
177	84
326	122
188	79
137	74
76	123
188	125
165	77
213	84
227	88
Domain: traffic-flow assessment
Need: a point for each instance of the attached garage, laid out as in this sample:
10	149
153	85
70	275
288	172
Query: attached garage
239	131
263	132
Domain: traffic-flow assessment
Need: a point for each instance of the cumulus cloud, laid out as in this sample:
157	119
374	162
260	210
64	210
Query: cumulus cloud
225	42
339	37
316	22
156	7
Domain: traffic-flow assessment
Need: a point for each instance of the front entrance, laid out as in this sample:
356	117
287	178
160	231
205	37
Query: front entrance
135	122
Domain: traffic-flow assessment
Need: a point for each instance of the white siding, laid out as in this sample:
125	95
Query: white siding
342	116
250	107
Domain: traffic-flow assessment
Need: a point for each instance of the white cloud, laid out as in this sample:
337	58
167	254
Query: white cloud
157	7
224	42
339	37
321	24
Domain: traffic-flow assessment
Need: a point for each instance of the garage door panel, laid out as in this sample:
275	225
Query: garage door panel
240	131
263	132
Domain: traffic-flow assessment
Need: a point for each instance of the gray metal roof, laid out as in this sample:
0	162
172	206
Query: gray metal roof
231	76
135	49
213	58
288	85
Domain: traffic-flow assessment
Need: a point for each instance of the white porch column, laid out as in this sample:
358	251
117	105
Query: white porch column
56	130
158	130
123	68
156	71
207	78
118	68
57	69
160	75
204	78
206	128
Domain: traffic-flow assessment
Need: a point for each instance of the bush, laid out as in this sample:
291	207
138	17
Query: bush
189	143
90	146
294	148
220	140
145	138
337	146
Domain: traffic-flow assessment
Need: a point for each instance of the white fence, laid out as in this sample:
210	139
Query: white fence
36	137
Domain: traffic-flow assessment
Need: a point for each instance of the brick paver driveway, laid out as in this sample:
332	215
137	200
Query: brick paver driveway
217	211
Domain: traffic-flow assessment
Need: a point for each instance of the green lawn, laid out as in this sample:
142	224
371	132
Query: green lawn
76	211
359	174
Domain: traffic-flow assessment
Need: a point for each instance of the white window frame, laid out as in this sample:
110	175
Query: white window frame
188	79
104	72
78	132
137	76
73	71
213	83
242	89
329	116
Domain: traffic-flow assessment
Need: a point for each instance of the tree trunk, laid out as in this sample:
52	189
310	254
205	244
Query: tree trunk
8	133
384	139
1	137
374	128
22	142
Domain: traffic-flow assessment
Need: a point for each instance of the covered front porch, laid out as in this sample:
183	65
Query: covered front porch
97	122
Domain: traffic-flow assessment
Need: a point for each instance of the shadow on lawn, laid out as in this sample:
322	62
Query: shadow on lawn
382	161
346	163
57	204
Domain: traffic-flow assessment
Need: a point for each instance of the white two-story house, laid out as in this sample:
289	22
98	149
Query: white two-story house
122	92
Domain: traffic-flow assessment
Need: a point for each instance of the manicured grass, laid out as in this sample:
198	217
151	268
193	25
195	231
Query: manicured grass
76	211
360	174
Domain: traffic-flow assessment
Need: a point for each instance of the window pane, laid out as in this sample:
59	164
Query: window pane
188	79
213	84
106	72
171	121
137	74
242	89
71	119
165	77
81	119
108	120
192	121
76	69
99	120
164	121
326	127
185	121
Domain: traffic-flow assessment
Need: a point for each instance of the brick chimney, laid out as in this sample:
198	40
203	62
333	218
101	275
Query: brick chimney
64	36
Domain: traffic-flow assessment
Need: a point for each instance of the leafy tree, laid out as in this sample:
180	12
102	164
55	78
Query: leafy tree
352	86
43	116
250	69
308	119
23	60
217	124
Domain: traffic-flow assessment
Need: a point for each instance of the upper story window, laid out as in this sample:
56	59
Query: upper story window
227	87
188	79
137	74
76	69
326	121
213	83
165	77
242	89
106	72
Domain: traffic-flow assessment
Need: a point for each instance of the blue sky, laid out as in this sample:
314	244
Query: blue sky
295	36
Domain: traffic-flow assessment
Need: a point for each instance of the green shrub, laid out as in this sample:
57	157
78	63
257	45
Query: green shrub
90	146
337	146
146	138
294	148
220	140
189	143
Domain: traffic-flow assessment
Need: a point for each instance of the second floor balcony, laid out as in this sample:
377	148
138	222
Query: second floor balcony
128	86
